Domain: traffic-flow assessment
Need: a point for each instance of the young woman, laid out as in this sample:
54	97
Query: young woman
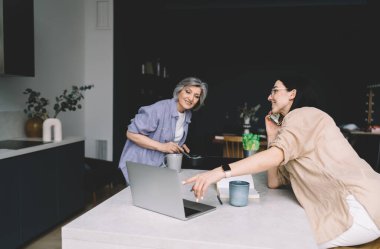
162	127
338	190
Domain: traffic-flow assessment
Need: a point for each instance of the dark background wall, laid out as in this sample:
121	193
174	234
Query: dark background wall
237	47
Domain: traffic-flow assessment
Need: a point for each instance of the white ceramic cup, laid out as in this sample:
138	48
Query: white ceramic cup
173	161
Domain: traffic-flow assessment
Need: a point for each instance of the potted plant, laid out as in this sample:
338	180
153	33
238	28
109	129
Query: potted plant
38	113
251	143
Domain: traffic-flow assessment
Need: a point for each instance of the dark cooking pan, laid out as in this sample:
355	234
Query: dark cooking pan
192	161
196	162
204	162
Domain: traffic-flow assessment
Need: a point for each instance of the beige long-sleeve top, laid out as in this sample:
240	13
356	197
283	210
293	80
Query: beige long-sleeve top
323	169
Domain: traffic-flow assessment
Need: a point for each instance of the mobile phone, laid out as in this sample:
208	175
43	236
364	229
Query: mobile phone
275	117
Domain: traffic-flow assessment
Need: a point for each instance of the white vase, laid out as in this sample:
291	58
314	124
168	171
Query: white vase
246	125
247	120
49	125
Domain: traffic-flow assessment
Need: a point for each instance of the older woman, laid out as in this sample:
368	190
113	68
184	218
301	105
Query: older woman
338	190
162	127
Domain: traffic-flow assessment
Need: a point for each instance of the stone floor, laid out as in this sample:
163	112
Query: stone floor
52	239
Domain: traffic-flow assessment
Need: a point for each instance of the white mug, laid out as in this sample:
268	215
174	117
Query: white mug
173	161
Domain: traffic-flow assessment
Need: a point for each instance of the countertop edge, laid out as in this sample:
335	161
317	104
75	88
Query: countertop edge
13	153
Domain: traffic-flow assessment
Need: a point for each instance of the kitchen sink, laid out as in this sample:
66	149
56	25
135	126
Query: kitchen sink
19	144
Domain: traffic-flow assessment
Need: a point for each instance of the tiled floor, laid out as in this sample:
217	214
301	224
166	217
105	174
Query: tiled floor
52	239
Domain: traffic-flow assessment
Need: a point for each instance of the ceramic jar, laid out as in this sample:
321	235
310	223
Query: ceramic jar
33	127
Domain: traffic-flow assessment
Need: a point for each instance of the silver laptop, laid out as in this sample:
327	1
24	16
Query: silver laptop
160	190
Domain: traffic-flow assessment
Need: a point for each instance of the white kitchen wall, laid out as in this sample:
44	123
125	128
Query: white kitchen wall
99	71
12	124
68	51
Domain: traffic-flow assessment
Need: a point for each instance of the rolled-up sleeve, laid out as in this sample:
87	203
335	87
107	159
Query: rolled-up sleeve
145	121
294	138
288	142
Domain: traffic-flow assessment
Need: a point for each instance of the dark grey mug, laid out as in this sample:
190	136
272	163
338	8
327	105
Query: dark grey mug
239	191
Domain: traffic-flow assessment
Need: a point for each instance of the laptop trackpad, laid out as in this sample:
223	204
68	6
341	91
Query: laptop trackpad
193	208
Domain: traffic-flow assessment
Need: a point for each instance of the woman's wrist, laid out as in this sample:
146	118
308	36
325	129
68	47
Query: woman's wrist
224	171
219	172
158	146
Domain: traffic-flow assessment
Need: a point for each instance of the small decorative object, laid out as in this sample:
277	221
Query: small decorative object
248	116
251	144
164	74
36	109
371	104
158	67
33	127
143	68
48	125
149	67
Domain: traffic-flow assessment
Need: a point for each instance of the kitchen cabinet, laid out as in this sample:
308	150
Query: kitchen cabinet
70	184
38	191
38	204
9	206
17	37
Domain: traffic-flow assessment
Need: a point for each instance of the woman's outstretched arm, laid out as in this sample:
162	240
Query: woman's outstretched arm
259	162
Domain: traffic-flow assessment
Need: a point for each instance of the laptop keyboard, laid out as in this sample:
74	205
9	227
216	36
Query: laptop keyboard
190	211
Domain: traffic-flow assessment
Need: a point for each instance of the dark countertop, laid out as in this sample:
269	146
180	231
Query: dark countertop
29	145
19	144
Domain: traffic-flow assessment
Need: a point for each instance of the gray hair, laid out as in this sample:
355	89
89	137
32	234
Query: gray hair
192	81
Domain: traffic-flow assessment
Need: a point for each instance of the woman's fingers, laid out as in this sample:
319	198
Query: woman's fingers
201	184
190	180
176	148
184	146
179	149
203	181
197	187
171	147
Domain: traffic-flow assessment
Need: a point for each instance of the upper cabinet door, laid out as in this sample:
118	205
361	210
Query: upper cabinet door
17	37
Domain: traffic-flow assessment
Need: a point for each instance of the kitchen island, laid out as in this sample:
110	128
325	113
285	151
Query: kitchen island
275	220
40	187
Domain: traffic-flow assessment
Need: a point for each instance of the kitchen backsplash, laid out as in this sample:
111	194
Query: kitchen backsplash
12	124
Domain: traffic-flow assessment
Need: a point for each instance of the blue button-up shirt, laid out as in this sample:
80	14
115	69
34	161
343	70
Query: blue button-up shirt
158	122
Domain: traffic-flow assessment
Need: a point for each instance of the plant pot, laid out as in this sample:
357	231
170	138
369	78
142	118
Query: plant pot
33	127
248	153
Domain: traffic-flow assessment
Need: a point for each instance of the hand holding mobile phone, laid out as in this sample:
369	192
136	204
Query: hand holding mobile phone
275	117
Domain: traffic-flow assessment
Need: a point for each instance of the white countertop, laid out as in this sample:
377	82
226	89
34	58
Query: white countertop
275	220
4	153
